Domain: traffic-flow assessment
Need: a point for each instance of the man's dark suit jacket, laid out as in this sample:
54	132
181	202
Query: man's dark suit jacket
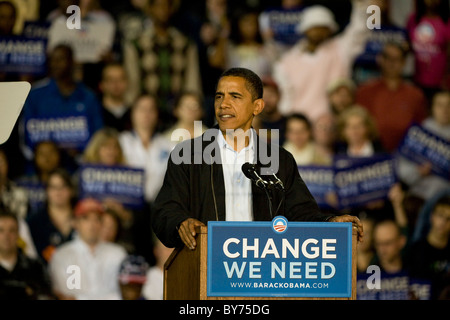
198	191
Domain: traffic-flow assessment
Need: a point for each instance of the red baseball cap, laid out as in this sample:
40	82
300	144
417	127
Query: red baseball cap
87	205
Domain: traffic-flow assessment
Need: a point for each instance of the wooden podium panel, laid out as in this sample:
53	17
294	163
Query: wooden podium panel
185	270
185	273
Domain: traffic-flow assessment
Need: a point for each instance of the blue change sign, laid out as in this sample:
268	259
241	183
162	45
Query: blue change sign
421	145
320	182
71	132
279	259
359	181
124	184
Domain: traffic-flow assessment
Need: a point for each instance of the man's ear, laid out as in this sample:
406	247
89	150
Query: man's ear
258	106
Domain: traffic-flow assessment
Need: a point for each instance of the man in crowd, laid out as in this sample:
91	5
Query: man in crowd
304	72
20	276
86	267
392	95
60	109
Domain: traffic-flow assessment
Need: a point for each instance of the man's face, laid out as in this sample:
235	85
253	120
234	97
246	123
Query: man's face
317	35
392	62
388	242
114	82
161	11
47	157
89	226
234	105
60	63
271	98
9	234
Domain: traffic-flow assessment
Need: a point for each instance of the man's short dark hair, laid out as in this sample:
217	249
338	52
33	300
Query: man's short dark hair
253	82
402	47
300	117
66	48
7	213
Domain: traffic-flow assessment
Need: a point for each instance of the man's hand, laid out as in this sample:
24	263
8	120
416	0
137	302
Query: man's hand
187	232
354	220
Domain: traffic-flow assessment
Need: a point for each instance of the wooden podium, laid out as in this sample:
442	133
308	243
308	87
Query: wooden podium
185	273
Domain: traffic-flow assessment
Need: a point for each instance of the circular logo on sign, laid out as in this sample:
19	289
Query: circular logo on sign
279	224
425	32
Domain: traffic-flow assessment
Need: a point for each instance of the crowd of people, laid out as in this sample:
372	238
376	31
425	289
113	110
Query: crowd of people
117	90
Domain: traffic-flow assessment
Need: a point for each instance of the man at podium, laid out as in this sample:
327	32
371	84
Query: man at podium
205	181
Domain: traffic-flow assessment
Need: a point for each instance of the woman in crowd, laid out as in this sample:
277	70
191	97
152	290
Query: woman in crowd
357	133
47	157
299	141
244	47
104	149
53	224
429	31
187	110
419	178
144	147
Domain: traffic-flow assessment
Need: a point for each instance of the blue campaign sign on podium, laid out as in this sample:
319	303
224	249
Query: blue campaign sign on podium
279	259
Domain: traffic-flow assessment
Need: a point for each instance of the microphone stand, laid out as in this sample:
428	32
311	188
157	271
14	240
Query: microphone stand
269	199
267	185
280	185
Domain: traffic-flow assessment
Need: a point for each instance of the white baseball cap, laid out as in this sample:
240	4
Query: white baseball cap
317	16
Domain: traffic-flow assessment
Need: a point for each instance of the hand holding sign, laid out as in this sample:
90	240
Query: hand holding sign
429	151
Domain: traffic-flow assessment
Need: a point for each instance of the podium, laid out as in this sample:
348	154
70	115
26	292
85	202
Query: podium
186	277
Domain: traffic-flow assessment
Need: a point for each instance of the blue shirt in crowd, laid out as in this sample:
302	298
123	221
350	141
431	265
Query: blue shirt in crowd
70	121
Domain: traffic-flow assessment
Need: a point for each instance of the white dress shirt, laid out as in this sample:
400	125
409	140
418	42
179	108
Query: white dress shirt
238	188
153	160
98	271
153	288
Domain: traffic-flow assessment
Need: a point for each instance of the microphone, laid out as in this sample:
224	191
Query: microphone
249	171
277	183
